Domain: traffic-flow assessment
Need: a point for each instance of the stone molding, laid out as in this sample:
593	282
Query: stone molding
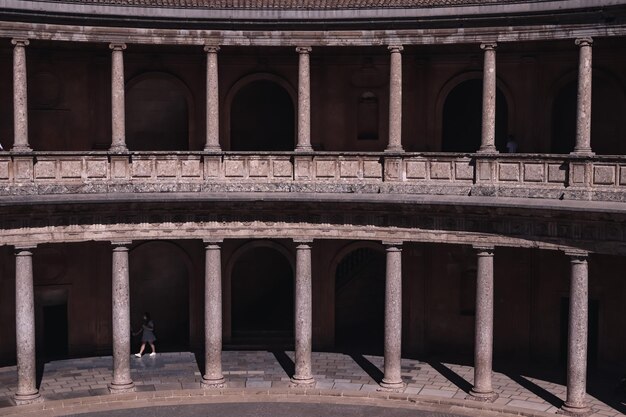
424	36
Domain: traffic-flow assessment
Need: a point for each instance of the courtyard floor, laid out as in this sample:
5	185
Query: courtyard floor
335	374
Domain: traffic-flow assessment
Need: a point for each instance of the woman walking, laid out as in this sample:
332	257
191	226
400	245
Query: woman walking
147	335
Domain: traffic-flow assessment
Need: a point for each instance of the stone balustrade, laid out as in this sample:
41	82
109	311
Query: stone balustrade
526	176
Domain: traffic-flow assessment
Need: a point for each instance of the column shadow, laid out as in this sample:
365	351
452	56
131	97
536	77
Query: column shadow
200	361
542	393
285	362
369	368
451	376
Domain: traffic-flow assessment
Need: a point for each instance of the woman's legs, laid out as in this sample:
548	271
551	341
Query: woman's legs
153	348
143	346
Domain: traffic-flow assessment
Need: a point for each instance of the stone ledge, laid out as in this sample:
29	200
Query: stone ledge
145	399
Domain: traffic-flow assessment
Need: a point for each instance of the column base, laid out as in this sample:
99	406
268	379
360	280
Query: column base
487	397
213	149
304	149
21	149
121	388
298	381
582	152
118	149
25	399
489	150
395	149
391	385
213	383
570	410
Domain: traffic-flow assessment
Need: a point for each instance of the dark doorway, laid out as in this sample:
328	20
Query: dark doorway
262	118
157	114
55	331
360	301
262	297
462	118
592	336
159	284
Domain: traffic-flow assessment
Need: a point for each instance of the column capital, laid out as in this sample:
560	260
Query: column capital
212	242
583	41
488	46
211	49
20	42
577	255
484	249
395	48
117	46
393	245
24	248
303	49
121	244
302	241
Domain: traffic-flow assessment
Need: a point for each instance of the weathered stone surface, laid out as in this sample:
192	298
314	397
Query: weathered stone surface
440	170
349	169
416	169
45	169
604	175
534	172
509	172
556	173
167	168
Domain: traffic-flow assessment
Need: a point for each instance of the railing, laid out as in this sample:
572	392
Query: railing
513	175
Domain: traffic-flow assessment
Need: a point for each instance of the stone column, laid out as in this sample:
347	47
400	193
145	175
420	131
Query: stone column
392	378
483	332
212	100
583	114
20	102
27	391
304	314
488	137
213	377
395	99
577	336
118	118
304	99
121	320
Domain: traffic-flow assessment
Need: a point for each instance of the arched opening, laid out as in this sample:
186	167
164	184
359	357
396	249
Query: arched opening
462	118
262	118
159	284
360	301
157	113
262	297
607	110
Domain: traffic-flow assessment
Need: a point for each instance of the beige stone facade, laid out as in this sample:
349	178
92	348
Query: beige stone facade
328	180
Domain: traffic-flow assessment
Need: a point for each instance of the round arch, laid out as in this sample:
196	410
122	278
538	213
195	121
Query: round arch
358	272
160	282
454	82
259	275
160	113
607	125
243	83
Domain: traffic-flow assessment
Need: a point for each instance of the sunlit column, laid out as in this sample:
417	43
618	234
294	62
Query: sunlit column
121	319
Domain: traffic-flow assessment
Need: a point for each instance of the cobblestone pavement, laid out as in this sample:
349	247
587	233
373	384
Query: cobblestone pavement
267	370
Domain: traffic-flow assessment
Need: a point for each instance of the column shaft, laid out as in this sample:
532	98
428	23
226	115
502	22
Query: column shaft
395	99
213	376
121	320
393	318
118	118
483	332
488	136
27	391
304	99
20	94
583	104
304	315
212	101
577	336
